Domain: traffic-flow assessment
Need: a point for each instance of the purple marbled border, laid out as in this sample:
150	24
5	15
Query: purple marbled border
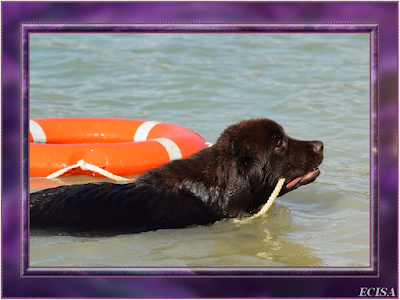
27	29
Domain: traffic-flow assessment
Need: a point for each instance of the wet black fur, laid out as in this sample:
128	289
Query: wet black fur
233	177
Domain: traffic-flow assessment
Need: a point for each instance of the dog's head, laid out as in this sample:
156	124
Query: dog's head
262	154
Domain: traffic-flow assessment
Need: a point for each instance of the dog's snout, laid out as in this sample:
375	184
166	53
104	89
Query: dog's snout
318	146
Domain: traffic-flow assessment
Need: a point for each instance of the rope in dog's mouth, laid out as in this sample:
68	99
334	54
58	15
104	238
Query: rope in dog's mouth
271	198
270	201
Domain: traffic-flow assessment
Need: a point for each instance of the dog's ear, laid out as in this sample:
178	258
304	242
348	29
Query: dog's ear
243	157
239	148
246	165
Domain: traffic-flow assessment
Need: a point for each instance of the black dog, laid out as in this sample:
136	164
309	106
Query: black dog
233	177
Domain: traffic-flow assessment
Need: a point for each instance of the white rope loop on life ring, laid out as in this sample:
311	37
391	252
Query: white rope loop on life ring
88	167
56	143
173	152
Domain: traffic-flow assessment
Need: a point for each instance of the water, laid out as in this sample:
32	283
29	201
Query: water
315	85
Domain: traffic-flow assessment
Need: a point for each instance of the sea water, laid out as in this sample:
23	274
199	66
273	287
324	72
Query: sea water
315	85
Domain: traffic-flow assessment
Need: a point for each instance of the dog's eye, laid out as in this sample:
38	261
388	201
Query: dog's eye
279	144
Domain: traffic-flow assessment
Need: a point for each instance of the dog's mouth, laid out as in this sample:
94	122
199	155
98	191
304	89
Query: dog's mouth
292	183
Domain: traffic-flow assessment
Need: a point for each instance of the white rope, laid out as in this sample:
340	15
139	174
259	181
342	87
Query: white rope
171	147
271	199
268	204
88	167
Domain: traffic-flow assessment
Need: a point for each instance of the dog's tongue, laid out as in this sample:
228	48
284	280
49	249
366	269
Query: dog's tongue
290	182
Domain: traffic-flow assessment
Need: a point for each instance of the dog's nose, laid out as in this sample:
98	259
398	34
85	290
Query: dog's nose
318	146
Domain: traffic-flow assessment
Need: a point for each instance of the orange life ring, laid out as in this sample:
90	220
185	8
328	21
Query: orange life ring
120	146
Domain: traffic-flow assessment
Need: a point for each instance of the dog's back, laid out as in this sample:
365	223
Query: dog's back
115	208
